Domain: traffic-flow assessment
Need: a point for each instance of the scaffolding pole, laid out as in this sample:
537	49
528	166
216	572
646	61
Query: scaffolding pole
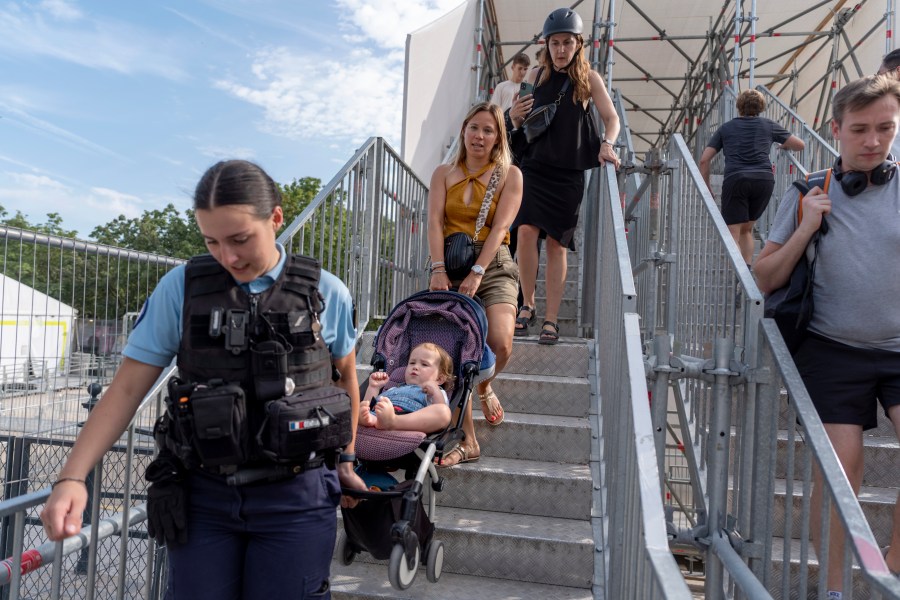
736	55
889	26
479	39
752	59
610	44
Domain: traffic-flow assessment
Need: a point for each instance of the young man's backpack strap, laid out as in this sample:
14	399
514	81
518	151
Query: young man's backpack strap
818	178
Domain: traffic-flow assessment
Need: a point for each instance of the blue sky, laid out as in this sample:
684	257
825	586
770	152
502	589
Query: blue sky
110	108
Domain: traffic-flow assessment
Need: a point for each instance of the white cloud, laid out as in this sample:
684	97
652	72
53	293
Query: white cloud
61	9
97	44
35	195
348	97
29	121
227	152
208	30
305	97
25	192
113	202
387	22
38	182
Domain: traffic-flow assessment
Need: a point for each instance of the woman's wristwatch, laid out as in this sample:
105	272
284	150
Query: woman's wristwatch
610	142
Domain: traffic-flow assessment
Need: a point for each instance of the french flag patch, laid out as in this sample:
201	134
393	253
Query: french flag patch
308	424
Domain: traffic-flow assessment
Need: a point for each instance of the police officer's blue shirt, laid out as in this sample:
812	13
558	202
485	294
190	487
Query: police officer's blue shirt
157	333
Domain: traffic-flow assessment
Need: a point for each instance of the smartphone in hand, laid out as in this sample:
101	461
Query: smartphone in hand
525	88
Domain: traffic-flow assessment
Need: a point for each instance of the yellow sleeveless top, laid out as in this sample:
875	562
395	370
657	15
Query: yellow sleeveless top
459	217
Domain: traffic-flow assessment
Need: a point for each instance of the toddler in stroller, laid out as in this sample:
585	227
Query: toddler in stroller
421	404
396	520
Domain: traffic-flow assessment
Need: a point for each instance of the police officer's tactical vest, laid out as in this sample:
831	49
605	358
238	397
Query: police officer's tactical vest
254	385
288	308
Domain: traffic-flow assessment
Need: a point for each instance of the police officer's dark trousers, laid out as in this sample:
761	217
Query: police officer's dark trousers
257	541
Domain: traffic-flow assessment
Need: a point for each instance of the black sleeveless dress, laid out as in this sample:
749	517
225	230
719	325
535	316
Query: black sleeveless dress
553	165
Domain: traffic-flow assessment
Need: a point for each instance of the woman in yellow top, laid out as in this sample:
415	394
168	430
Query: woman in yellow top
454	201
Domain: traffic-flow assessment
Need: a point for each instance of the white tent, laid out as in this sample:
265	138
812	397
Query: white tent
35	332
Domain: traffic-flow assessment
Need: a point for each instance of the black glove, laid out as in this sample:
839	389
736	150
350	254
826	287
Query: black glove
167	501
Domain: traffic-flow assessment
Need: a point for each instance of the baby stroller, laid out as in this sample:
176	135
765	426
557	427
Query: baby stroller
396	520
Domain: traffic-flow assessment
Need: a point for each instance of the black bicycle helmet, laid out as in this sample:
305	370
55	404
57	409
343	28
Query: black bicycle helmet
563	20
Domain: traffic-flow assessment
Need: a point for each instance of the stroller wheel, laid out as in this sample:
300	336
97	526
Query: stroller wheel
346	554
399	573
434	563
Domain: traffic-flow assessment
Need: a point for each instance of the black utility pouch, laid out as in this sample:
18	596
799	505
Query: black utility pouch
269	370
220	424
310	421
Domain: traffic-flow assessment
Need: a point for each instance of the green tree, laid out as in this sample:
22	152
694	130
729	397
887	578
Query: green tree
53	226
297	195
164	232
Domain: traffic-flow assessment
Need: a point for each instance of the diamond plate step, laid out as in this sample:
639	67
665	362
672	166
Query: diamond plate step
543	394
877	504
569	358
568	308
568	328
880	455
519	487
572	274
366	581
535	437
569	291
535	394
505	546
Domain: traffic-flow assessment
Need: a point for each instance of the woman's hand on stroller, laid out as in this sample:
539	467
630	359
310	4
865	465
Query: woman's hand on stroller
350	480
439	281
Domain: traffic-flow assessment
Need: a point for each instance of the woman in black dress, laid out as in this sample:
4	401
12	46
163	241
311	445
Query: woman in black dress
553	165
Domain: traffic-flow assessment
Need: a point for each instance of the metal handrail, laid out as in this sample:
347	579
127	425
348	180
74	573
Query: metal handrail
366	227
858	535
636	560
723	367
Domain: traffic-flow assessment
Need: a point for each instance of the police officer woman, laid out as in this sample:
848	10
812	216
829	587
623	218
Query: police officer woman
268	538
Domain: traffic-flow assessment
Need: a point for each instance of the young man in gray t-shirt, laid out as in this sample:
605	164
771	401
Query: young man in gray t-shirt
851	360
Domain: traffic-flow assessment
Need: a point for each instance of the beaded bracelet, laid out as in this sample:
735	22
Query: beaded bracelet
438	263
62	479
435	272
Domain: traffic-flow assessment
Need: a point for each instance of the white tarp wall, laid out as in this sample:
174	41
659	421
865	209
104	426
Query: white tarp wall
438	86
35	332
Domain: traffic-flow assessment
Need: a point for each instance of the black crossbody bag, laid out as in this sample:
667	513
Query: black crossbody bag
791	306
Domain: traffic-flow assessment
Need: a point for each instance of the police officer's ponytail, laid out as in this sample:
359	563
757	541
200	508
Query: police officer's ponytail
237	182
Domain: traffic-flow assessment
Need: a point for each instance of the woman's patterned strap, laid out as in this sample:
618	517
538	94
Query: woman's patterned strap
486	203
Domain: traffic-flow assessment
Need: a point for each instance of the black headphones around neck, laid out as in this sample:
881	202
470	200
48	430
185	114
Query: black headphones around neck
854	182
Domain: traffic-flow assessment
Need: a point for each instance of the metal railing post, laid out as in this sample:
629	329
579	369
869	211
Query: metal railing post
719	439
659	403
